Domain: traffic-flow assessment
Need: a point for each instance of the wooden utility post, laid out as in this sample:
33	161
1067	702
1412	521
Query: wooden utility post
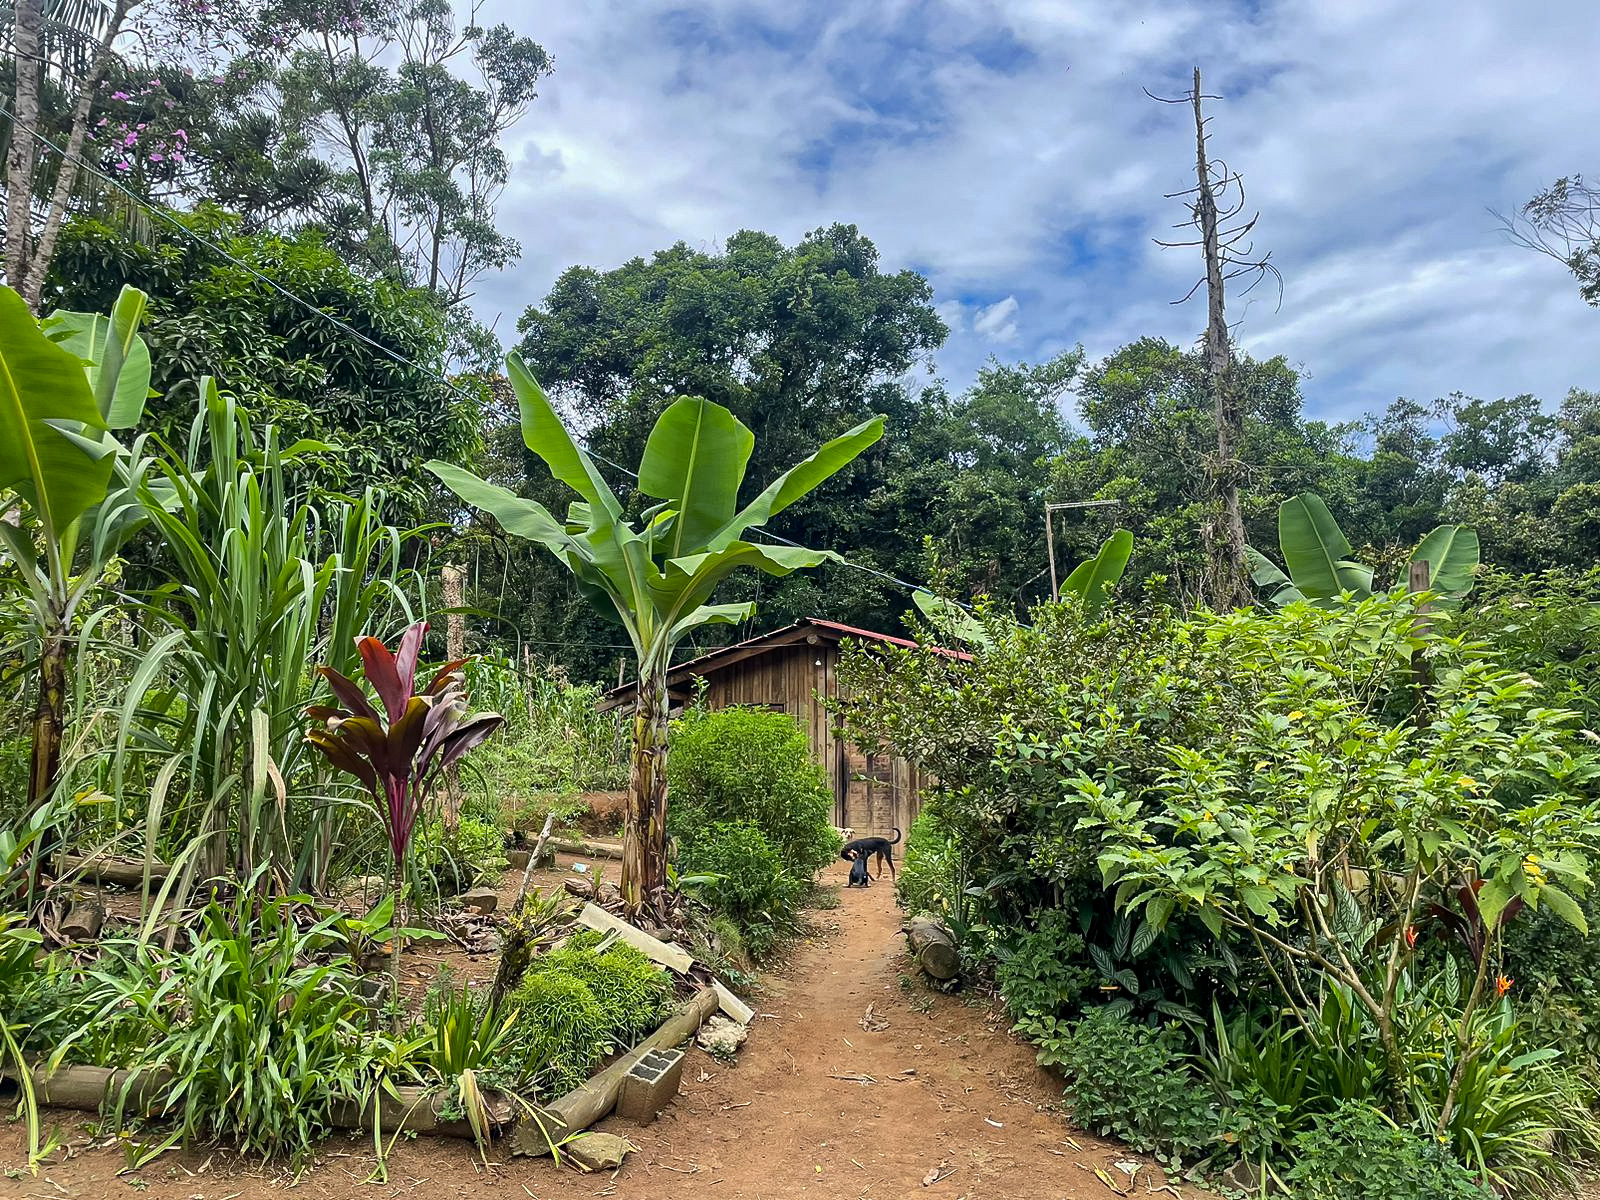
452	586
1050	510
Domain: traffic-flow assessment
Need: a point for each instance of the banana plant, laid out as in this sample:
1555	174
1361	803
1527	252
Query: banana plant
66	384
1091	581
1320	569
658	576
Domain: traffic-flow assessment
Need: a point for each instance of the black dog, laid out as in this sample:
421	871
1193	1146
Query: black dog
862	849
858	873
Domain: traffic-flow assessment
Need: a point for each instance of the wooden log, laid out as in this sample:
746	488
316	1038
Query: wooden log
124	872
84	919
89	1089
933	946
585	1105
587	849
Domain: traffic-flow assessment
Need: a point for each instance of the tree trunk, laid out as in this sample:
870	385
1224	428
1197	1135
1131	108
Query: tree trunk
26	42
32	284
644	839
49	717
1227	569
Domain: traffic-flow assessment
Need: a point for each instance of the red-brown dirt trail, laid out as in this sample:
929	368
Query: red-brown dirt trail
822	1102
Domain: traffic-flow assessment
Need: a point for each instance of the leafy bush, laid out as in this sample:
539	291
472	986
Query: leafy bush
746	764
1131	1082
750	885
1045	974
632	991
929	869
1355	1153
560	1032
448	862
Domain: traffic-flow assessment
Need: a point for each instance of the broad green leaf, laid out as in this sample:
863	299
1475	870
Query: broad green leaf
44	392
950	618
519	517
1451	552
116	357
1492	900
1564	906
546	436
802	479
1265	573
1316	551
1092	580
696	459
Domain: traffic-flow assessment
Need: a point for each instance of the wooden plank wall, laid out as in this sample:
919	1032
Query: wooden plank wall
790	679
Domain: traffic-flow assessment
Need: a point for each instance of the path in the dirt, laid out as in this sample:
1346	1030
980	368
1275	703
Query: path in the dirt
817	1105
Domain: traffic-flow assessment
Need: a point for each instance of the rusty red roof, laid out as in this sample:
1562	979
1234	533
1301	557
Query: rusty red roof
787	635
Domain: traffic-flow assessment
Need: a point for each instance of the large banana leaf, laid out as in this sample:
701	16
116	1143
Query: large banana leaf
1316	551
114	355
951	619
802	479
1265	573
695	461
546	436
47	414
1092	579
1451	552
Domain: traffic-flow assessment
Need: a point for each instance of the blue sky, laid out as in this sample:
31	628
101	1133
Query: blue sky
1006	150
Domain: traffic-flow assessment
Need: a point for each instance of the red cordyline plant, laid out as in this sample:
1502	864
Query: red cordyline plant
400	748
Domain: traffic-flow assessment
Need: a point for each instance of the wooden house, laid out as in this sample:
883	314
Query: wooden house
792	670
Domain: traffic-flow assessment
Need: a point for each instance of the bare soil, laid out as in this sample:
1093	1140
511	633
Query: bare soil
821	1103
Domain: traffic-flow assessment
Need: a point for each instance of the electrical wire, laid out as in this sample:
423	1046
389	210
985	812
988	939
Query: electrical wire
171	219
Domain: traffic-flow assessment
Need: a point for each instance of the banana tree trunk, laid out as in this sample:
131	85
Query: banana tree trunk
644	840
49	717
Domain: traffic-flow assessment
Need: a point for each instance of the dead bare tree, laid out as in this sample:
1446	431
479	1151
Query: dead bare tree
1216	204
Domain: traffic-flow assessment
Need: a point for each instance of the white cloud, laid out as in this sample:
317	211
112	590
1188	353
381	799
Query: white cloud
1005	147
997	322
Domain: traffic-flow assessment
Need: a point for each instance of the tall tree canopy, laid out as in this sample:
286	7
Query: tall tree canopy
288	364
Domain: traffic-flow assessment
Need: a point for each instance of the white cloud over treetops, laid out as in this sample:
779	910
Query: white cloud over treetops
1006	149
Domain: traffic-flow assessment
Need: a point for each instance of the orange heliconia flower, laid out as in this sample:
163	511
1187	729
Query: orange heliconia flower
1502	984
1411	937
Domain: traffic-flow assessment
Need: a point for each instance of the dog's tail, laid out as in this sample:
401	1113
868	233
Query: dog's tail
896	839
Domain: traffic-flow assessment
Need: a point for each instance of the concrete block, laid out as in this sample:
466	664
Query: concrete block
650	1085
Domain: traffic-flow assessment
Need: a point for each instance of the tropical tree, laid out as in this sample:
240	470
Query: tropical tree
658	576
66	383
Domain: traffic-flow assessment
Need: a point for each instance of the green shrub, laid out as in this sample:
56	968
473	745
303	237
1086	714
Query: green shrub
448	862
560	1032
928	872
1130	1081
751	887
1045	973
632	991
746	764
1355	1153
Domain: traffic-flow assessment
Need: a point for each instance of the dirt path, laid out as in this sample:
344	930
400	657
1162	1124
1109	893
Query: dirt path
950	1089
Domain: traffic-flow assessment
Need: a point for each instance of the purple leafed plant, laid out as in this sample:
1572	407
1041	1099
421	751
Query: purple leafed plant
399	748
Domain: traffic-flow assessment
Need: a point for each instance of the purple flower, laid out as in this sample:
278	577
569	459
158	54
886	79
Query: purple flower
130	139
180	135
155	158
124	165
119	95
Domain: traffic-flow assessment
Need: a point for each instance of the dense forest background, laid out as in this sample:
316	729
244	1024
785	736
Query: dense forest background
258	170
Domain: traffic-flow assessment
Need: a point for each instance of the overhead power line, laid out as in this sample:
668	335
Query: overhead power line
171	219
